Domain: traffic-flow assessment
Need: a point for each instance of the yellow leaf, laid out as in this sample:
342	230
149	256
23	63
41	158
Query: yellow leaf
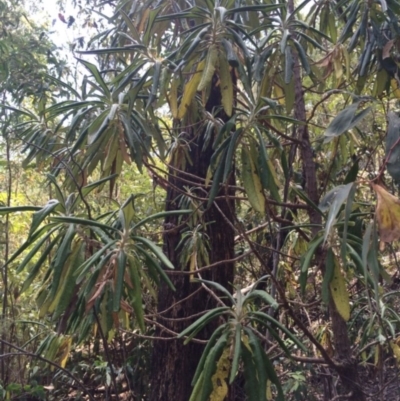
225	84
190	90
326	343
192	267
211	61
143	20
63	351
387	214
378	355
269	392
339	292
395	87
252	183
279	94
396	351
220	388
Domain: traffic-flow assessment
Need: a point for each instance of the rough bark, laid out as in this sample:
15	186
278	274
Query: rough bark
173	362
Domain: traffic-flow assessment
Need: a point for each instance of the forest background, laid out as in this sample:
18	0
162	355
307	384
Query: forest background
198	200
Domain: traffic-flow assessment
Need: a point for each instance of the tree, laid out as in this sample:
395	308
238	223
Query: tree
220	104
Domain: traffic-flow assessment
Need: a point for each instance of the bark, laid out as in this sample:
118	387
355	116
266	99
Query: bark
346	366
174	363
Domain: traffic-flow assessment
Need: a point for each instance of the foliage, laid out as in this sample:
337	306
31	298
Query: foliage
277	107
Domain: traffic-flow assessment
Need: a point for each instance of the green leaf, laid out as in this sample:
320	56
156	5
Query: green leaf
137	301
258	362
211	342
119	280
334	201
230	153
96	74
83	222
306	260
236	352
252	385
262	295
161	215
16	209
201	322
155	249
344	121
251	182
34	250
63	252
82	269
289	63
40	215
210	366
219	287
281	327
35	269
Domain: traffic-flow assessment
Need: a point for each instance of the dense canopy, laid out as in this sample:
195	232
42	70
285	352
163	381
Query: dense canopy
199	201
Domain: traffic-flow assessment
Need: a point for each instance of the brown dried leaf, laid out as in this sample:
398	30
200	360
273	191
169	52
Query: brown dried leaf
387	214
386	49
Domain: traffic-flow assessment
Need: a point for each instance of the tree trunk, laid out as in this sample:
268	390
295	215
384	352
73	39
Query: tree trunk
347	367
174	363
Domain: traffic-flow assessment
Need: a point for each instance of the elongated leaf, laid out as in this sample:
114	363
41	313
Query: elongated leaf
225	85
266	317
345	120
288	64
161	215
258	361
252	182
209	68
35	269
219	287
393	146
119	280
203	320
334	200
306	260
82	269
34	250
137	301
40	215
211	342
96	74
339	292
83	222
252	385
211	365
230	153
236	352
190	90
63	252
155	249
16	209
261	295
